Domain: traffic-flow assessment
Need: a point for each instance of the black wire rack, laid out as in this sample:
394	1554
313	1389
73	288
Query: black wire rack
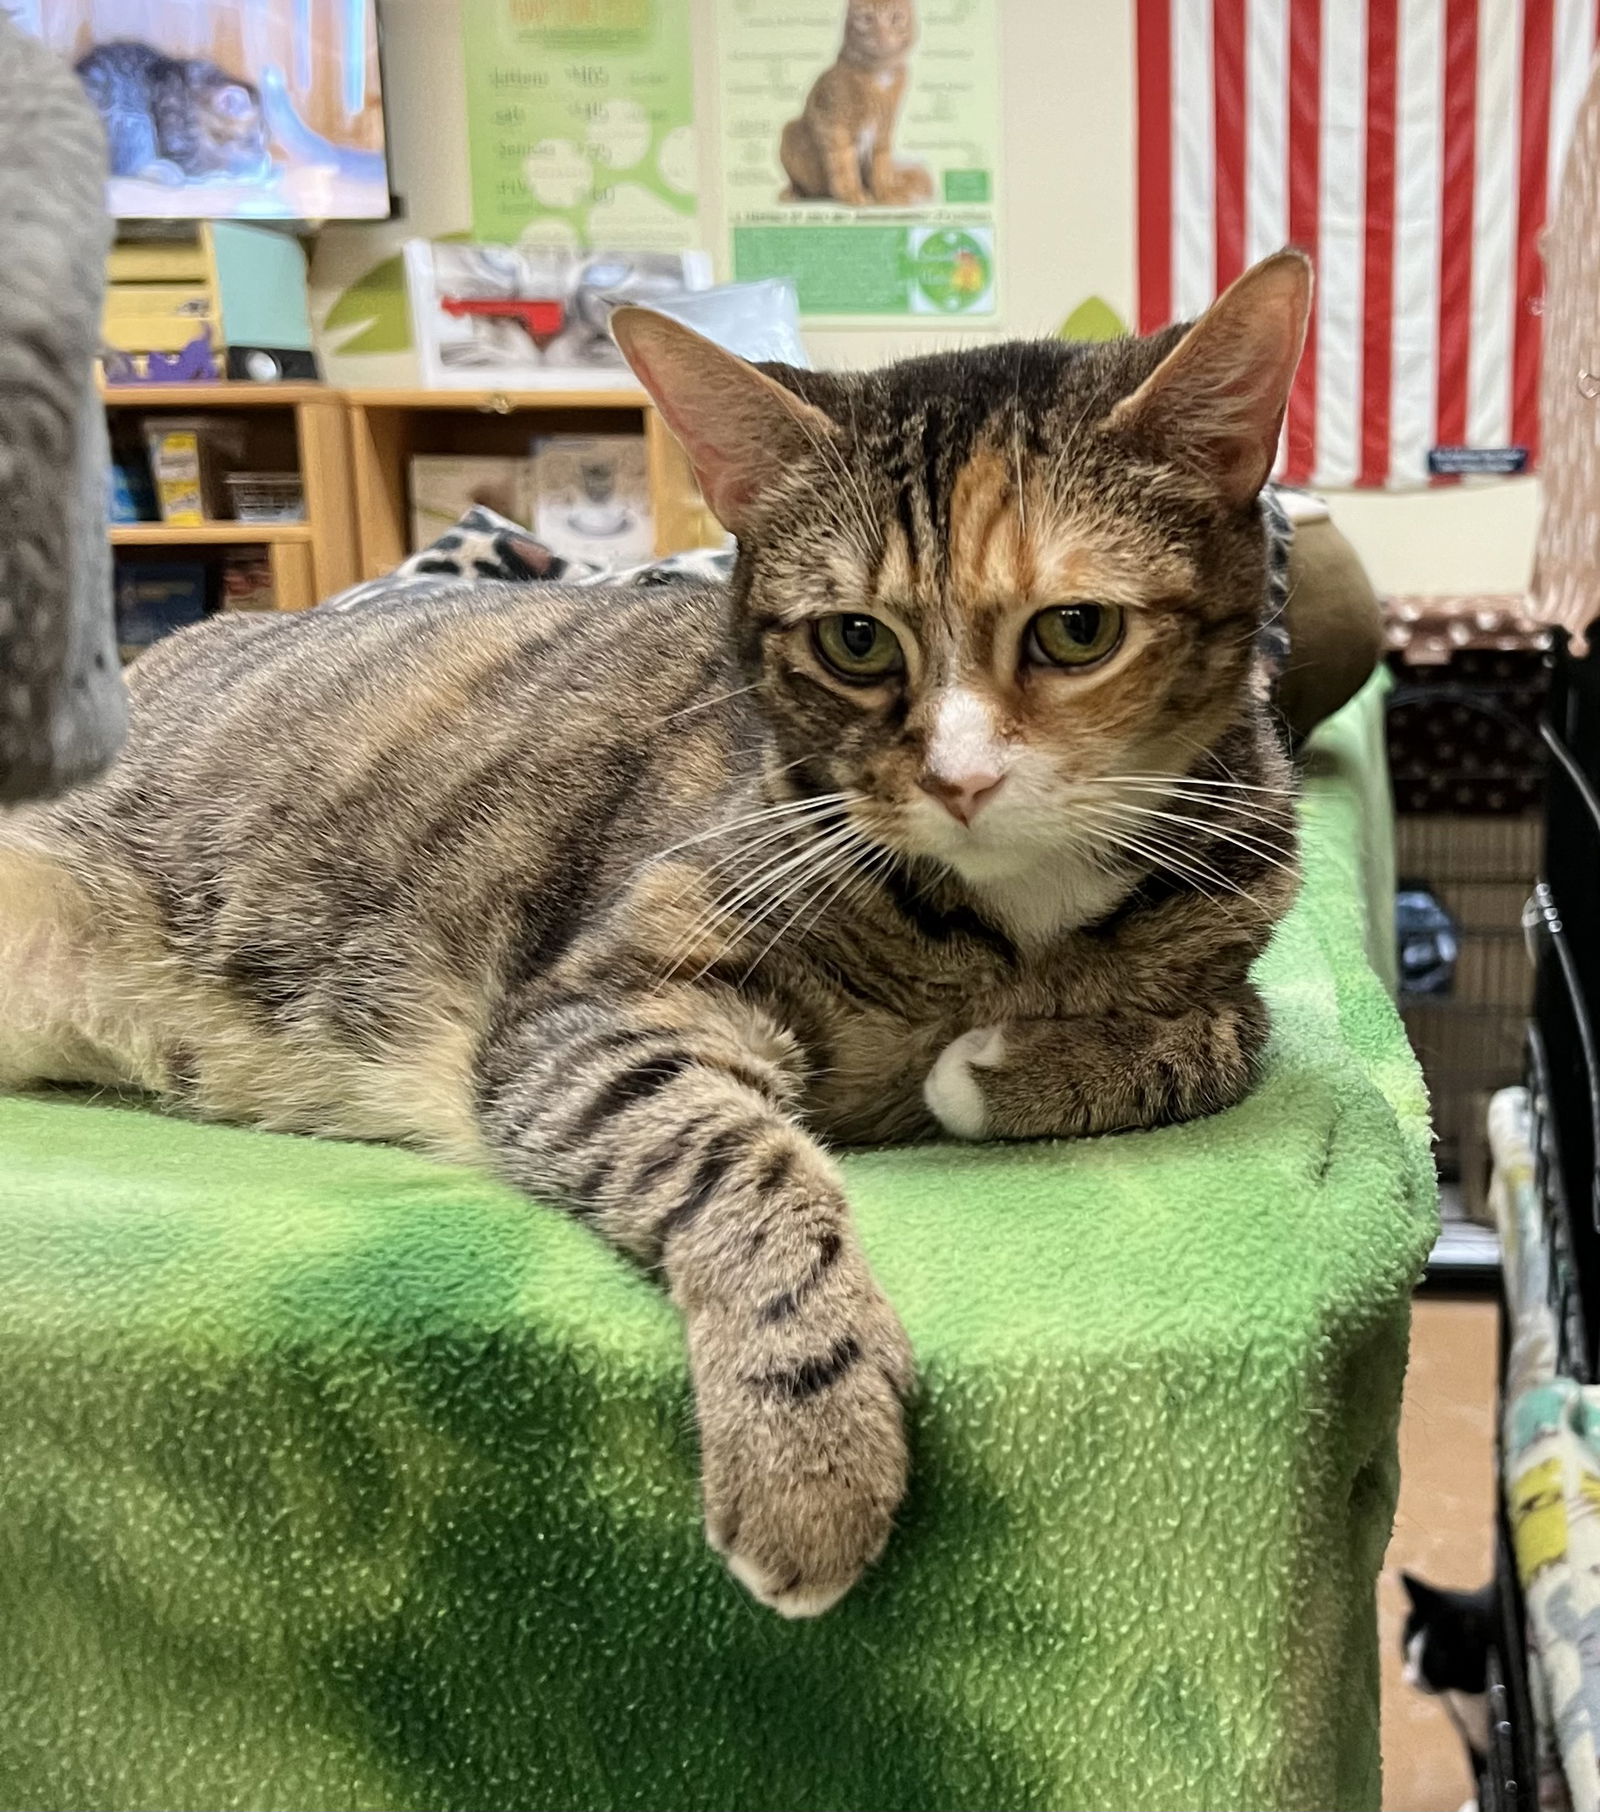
1563	1058
1468	768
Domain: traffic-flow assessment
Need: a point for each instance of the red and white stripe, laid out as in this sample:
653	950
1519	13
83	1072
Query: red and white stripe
1414	147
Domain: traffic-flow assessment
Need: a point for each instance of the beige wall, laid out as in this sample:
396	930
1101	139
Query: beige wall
1066	226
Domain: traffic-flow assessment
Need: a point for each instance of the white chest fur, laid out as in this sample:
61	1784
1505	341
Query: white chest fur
1049	898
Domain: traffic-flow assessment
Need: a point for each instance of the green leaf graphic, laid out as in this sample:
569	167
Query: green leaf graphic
1092	319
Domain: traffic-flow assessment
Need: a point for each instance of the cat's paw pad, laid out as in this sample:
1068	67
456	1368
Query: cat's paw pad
952	1093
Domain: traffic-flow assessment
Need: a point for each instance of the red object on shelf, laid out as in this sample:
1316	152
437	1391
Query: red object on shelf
541	320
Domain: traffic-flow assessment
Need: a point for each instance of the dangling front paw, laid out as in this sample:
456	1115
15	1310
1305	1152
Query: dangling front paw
803	1456
953	1094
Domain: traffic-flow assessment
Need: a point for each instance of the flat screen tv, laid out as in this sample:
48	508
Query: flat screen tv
229	109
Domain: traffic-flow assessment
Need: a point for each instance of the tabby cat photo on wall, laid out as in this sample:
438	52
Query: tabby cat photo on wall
959	811
841	148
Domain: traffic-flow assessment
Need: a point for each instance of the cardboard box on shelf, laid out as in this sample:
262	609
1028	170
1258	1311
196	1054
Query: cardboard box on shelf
444	486
189	457
247	579
592	498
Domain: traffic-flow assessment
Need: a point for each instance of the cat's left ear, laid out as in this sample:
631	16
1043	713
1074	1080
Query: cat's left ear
1216	402
741	429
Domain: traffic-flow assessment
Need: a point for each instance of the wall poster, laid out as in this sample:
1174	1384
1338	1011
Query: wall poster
860	152
580	120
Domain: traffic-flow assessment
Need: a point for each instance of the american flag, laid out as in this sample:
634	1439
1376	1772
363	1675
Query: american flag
1413	147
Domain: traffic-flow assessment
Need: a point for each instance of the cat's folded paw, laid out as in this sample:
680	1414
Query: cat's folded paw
952	1093
804	1463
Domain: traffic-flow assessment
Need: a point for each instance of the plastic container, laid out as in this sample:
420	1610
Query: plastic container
266	497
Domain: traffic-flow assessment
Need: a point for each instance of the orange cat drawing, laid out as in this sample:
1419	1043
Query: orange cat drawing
841	148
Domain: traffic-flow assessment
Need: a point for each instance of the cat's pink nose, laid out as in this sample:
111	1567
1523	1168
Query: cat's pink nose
965	795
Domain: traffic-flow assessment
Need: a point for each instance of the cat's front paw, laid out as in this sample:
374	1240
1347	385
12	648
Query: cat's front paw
952	1093
804	1457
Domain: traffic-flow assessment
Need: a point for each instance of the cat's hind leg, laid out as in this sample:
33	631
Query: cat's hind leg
663	1123
60	1018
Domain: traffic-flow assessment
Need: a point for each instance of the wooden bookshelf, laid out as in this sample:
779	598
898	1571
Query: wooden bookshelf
353	451
303	427
388	426
212	396
501	402
207	534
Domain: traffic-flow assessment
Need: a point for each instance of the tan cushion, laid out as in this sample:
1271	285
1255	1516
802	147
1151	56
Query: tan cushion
1335	626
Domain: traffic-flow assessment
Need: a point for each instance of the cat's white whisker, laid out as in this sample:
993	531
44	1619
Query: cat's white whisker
819	847
814	864
1151	844
816	802
798	924
1240	839
704	704
1176	780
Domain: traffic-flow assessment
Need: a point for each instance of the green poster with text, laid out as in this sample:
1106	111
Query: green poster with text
580	122
860	152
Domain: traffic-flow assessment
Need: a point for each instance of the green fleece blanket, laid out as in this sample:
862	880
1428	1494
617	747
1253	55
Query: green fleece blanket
332	1478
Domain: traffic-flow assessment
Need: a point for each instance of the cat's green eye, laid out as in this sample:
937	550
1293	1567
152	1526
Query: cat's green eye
858	647
1073	635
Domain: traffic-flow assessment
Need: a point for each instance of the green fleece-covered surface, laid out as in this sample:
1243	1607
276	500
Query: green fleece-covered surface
333	1478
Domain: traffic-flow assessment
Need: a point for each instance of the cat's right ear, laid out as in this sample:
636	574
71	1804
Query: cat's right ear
741	429
1418	1591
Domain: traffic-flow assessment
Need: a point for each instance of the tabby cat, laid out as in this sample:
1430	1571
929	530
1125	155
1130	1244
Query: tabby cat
959	808
174	119
841	148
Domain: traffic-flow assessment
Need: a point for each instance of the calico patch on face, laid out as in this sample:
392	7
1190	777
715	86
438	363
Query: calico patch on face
1001	600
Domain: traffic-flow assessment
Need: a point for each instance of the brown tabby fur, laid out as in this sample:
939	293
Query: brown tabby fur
841	148
554	880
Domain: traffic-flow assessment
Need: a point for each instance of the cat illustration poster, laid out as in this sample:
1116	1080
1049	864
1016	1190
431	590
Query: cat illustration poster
229	108
860	145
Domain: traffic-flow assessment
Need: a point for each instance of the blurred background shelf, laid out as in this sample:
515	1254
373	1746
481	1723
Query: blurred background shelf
353	449
205	534
388	428
293	427
210	396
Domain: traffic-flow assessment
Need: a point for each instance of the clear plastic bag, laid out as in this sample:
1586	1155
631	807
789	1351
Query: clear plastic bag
759	320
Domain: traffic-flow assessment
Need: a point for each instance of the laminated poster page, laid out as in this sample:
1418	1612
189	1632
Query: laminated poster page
860	153
580	123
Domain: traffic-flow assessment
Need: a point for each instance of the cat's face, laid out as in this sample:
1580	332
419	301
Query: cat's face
233	138
879	29
991	598
1446	1638
989	700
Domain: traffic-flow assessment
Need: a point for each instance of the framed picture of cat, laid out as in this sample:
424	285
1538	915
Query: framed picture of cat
222	109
